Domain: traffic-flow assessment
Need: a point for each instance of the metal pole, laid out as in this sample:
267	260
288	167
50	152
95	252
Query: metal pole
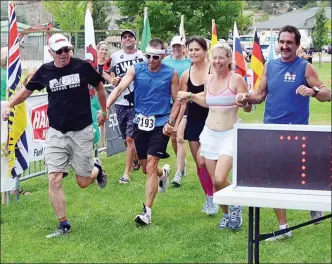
17	188
257	216
250	235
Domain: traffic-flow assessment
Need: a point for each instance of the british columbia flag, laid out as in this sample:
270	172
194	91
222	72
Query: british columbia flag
17	122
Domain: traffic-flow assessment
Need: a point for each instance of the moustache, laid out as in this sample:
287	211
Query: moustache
284	49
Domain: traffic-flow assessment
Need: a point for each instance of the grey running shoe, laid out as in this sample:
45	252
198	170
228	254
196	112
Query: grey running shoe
283	236
163	183
316	214
235	217
211	208
60	231
177	180
102	176
144	218
184	171
205	205
224	221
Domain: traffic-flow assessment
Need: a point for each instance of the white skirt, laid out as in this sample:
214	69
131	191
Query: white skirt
216	143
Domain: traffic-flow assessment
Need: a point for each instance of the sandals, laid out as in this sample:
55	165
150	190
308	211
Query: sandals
136	165
124	180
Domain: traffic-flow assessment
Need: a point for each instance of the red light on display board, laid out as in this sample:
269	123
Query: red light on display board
284	159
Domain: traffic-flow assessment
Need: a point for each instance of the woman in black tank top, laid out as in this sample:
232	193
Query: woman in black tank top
192	80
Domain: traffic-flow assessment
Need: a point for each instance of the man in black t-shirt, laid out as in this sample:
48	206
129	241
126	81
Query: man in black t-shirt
70	136
308	54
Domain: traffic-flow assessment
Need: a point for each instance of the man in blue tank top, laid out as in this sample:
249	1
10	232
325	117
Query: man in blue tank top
154	119
287	85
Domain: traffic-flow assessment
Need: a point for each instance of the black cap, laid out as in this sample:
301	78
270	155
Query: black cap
128	31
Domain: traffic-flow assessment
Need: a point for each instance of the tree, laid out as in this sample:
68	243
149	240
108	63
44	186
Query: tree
69	15
320	33
165	16
100	18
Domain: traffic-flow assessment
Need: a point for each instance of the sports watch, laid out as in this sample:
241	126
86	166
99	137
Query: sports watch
316	90
171	122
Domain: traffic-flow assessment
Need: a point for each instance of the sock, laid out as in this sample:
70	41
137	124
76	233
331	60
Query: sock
283	226
148	210
205	181
63	221
163	176
99	168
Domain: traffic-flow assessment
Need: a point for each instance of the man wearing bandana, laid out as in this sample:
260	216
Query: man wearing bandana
154	119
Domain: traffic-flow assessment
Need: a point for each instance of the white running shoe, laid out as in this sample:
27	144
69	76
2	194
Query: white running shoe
164	180
283	236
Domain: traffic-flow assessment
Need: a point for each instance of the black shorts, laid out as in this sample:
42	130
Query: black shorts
152	143
193	130
125	115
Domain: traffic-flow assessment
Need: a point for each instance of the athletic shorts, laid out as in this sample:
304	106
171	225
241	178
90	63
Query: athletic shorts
125	115
152	143
193	130
74	147
216	143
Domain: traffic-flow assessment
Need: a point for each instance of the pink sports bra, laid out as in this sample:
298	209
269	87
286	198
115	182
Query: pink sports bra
223	100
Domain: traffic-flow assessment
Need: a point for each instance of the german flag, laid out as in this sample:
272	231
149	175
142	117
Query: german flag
257	61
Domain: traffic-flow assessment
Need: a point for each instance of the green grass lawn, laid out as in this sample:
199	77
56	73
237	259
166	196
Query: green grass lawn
104	230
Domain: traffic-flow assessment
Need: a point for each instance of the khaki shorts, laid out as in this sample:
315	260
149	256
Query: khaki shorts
74	147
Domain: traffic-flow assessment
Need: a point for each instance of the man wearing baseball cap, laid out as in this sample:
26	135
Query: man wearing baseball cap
178	61
70	134
124	106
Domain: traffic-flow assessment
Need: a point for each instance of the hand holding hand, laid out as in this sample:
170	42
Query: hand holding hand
182	96
168	129
102	117
115	81
6	113
241	99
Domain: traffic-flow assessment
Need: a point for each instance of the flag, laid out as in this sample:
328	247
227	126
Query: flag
257	61
146	35
272	52
17	122
181	30
238	59
91	57
214	38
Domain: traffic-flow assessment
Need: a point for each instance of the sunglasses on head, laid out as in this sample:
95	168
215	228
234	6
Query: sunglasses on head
154	57
65	50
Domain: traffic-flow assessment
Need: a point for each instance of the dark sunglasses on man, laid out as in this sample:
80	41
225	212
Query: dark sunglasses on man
154	57
65	50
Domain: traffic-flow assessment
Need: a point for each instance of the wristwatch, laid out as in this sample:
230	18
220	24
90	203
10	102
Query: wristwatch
171	122
316	90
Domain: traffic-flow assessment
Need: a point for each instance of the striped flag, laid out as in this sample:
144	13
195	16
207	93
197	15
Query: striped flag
214	38
17	122
238	59
257	61
146	35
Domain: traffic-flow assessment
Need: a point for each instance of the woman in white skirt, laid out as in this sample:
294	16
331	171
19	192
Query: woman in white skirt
220	89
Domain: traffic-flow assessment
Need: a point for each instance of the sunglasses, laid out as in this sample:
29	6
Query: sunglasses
65	50
154	57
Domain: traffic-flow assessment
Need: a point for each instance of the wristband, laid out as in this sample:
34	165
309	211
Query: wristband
103	113
190	97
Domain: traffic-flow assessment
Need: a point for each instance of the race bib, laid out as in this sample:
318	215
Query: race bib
145	123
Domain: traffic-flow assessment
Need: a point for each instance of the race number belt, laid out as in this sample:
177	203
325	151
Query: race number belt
145	123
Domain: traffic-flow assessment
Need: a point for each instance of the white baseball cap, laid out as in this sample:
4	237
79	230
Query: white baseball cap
58	41
177	40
